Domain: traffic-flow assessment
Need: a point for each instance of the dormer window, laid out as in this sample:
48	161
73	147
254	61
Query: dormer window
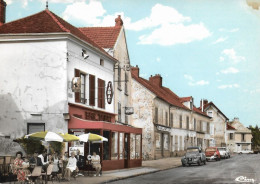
101	62
210	114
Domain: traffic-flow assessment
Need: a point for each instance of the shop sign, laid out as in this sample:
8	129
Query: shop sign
109	92
129	110
161	128
75	149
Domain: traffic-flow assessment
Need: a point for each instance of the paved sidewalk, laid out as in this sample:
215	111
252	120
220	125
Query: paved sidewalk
147	167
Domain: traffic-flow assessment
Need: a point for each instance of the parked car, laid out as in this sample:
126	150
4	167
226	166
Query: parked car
212	153
245	151
224	153
194	155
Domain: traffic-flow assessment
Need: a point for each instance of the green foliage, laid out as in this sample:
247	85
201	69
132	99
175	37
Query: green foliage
56	146
256	136
30	145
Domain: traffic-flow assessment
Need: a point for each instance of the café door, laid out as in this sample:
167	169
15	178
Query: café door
127	150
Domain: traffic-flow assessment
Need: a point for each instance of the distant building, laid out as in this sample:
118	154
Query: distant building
219	123
230	137
242	136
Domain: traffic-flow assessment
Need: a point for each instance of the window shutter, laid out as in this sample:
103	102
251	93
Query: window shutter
92	90
77	94
103	94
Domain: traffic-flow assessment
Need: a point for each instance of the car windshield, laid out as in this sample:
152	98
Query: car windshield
210	149
192	150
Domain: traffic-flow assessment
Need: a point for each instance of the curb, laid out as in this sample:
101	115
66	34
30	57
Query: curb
139	174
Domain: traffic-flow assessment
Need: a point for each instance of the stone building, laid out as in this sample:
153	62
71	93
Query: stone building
167	120
230	137
219	123
241	137
56	78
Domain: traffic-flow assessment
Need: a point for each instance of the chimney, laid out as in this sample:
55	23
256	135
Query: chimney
119	21
2	12
156	80
135	70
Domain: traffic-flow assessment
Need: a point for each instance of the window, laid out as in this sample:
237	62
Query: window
201	126
106	145
101	62
156	115
243	137
180	121
208	127
35	127
231	136
121	145
126	119
101	93
166	118
210	114
126	80
119	112
77	94
171	120
119	77
114	146
195	124
82	88
92	90
158	140
138	146
187	123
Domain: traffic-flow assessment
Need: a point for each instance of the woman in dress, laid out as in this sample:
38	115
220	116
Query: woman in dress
55	159
18	167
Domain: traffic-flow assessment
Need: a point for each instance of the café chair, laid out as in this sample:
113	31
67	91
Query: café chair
36	173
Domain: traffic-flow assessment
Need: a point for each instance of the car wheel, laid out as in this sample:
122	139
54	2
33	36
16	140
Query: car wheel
189	164
204	162
199	162
207	160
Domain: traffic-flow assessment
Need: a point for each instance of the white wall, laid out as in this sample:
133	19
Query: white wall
33	80
91	66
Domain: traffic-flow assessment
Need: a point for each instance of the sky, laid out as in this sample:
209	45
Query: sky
207	49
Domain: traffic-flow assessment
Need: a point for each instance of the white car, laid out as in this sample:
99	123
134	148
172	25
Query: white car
224	153
246	151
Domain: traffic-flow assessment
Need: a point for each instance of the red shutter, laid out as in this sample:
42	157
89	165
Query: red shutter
101	93
77	94
92	90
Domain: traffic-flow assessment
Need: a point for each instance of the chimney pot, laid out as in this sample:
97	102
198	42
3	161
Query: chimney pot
2	12
119	21
156	80
135	70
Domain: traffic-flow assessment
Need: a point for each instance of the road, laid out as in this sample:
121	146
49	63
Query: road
224	171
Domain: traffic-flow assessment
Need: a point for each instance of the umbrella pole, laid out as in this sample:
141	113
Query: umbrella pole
89	148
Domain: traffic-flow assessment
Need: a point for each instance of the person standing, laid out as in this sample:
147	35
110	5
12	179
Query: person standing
80	162
95	161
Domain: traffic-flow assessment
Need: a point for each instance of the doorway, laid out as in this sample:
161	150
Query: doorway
126	150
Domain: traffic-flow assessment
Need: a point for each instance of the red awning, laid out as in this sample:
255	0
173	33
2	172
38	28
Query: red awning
77	123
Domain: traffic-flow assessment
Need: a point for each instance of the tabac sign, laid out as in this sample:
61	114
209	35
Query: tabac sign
109	92
162	128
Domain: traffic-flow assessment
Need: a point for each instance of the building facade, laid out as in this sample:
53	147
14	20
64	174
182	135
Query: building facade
60	80
169	122
219	123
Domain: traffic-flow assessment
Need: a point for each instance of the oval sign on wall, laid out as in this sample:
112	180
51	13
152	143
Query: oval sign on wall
109	92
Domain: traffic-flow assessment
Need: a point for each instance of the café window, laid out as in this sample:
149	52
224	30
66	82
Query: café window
101	93
121	145
114	146
35	127
83	88
106	145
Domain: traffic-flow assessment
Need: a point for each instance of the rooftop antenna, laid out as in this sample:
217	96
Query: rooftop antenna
47	4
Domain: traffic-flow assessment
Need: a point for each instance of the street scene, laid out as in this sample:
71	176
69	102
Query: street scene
129	92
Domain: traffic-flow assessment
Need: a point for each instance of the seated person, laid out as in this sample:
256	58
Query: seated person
80	162
33	159
25	166
41	162
95	161
71	166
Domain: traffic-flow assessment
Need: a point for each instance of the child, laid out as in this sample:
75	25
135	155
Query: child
25	166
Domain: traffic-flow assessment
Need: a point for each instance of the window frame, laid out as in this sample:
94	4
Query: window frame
30	123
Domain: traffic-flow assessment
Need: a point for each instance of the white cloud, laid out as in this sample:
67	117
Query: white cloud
89	13
8	2
158	59
219	40
199	83
143	75
232	56
254	91
189	77
230	70
195	83
172	34
228	86
221	59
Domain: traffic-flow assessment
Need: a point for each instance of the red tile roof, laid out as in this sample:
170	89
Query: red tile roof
211	103
185	99
165	94
229	127
46	22
105	37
